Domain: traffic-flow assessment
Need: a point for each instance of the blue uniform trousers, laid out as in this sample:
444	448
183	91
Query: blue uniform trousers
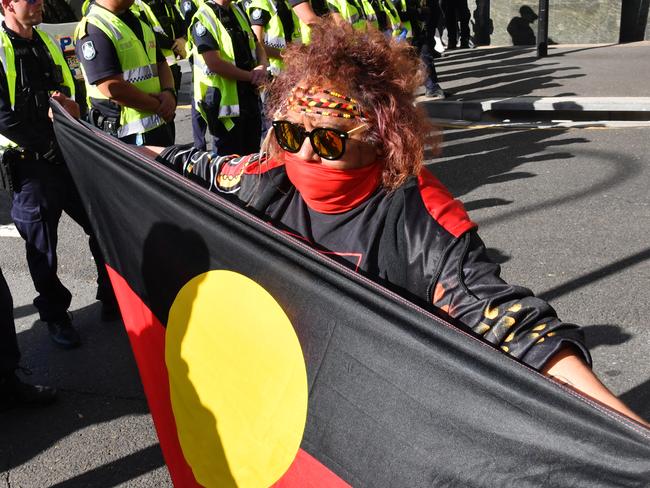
42	191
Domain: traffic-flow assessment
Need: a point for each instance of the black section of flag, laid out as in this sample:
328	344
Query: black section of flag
397	397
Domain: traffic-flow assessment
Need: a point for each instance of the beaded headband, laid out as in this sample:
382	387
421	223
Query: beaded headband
325	102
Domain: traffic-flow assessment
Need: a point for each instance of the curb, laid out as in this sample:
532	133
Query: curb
581	108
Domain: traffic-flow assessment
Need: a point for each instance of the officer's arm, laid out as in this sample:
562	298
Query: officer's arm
305	13
223	68
271	52
127	94
167	108
262	58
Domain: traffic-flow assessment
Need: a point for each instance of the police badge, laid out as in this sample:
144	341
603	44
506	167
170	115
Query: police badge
88	50
200	29
256	14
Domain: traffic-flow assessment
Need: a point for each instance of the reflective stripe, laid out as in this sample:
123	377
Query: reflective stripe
3	60
200	64
210	20
276	42
141	73
229	111
105	23
140	125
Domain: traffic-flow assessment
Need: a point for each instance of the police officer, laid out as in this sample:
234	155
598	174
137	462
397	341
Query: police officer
129	84
13	391
33	67
229	65
422	38
170	34
187	9
275	25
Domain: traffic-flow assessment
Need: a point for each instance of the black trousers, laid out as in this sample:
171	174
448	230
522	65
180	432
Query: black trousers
42	192
457	11
244	137
9	353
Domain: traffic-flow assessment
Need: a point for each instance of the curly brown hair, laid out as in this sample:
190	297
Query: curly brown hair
381	73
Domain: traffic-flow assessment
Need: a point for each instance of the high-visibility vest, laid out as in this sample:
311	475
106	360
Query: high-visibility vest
204	78
8	60
274	34
369	13
392	15
139	7
406	23
350	13
138	63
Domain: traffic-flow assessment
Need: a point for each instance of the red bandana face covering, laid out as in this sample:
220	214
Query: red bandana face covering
329	190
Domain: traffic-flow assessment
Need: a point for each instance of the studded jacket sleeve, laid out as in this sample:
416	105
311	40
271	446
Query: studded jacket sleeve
469	288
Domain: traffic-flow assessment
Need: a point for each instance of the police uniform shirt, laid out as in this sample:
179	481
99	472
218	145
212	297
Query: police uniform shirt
188	9
204	41
262	17
26	125
97	53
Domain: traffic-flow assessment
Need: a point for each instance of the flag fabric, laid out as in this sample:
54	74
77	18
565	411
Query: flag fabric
266	363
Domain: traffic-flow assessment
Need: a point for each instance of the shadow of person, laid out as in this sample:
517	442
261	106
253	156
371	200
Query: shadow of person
176	259
520	29
98	383
605	335
638	399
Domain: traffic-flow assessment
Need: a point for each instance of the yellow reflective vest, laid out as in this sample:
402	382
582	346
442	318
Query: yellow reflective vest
274	34
138	63
204	79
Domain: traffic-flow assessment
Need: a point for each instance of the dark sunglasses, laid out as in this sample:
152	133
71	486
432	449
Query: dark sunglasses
327	143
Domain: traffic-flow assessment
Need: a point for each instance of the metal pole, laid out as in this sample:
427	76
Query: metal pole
542	29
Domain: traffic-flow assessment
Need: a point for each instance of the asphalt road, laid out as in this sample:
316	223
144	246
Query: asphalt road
566	212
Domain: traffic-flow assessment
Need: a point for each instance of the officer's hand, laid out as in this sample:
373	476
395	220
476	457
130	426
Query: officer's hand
179	47
258	75
167	107
68	104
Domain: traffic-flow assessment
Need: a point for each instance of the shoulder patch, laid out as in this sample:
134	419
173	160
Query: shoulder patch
442	206
200	29
88	50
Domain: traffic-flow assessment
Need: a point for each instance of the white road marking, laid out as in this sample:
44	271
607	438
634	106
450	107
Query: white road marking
9	231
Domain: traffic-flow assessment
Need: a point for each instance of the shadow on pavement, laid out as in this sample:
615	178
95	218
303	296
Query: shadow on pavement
509	72
638	399
598	274
97	383
472	158
605	335
118	471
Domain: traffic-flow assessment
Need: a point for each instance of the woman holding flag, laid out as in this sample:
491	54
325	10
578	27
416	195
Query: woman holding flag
343	169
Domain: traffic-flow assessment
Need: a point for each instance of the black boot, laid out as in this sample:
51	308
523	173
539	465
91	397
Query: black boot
63	333
15	393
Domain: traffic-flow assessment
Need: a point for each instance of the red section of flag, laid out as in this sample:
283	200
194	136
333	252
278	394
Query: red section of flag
307	472
147	336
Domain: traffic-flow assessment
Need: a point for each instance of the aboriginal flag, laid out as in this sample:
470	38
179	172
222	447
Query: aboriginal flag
266	363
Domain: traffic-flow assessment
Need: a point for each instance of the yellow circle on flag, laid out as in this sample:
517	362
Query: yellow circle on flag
238	382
